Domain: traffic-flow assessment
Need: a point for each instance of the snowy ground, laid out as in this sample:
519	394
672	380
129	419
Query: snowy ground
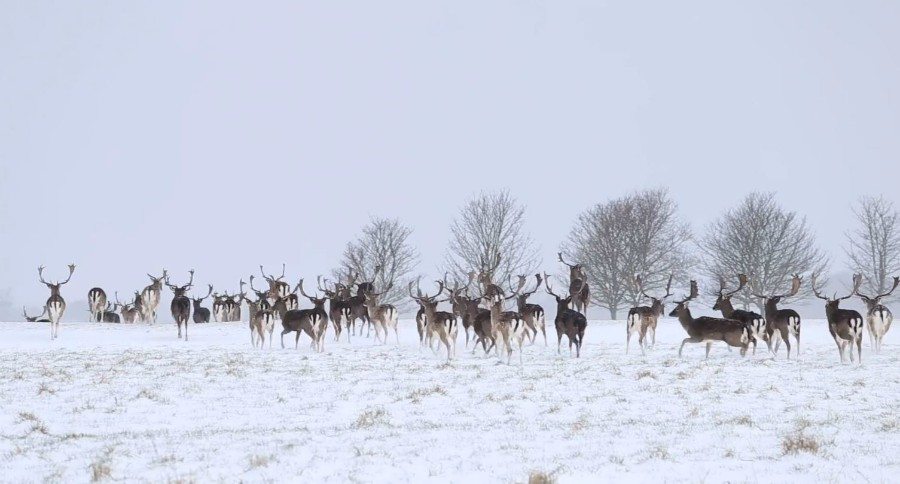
133	402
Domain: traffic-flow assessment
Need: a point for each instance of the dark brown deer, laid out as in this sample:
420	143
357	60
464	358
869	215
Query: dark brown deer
129	312
577	282
878	316
151	296
781	323
439	323
532	314
845	325
507	326
56	305
139	305
277	287
181	304
643	319
709	330
568	321
754	321
338	308
421	323
109	314
43	318
201	314
97	303
313	321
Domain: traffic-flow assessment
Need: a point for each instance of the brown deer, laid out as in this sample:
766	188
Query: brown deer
277	287
845	325
577	282
532	314
201	314
754	321
338	308
878	316
421	323
440	323
139	305
109	314
151	296
781	323
56	305
261	322
181	304
313	321
97	302
43	318
508	326
709	330
568	321
130	313
643	319
383	316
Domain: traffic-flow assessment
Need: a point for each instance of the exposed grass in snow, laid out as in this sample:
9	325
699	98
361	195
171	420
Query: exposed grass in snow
132	402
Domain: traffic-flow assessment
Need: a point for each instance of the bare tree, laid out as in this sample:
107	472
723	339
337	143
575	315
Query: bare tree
489	236
617	240
873	249
383	245
761	239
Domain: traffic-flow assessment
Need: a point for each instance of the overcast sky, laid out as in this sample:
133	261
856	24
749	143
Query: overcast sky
219	135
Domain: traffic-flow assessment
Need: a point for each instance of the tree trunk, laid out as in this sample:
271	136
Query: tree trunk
612	313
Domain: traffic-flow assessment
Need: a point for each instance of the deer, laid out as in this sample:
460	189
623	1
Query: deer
780	323
357	304
709	330
43	318
233	306
181	304
139	305
508	325
845	325
313	322
756	322
532	314
383	316
643	319
129	312
56	305
568	321
97	303
577	281
440	323
109	314
262	321
151	296
421	323
279	289
201	314
219	311
878	316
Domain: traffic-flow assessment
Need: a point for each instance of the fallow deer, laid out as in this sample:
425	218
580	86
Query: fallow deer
845	325
878	317
97	303
383	316
181	304
151	296
338	309
781	323
754	321
532	314
709	330
440	323
201	314
420	314
508	326
139	305
643	319
261	322
577	282
568	321
129	312
109	315
313	321
56	305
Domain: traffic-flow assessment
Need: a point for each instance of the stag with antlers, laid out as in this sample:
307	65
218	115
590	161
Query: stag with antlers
508	326
532	314
845	325
151	296
568	321
43	318
780	323
878	316
201	314
439	323
383	316
181	304
129	311
97	302
313	321
56	305
754	321
709	330
579	290
643	319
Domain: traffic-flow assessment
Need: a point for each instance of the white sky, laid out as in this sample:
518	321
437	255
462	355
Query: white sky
220	135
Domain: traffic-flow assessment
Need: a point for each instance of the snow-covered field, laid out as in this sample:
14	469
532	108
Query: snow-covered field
133	402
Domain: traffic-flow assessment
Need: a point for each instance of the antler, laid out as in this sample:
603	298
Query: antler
878	297
564	262
547	286
694	293
41	274
812	281
742	281
857	280
71	271
300	286
191	280
207	294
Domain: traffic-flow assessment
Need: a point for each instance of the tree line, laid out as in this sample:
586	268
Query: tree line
638	234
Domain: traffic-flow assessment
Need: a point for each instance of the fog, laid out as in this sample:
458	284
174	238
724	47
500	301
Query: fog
218	135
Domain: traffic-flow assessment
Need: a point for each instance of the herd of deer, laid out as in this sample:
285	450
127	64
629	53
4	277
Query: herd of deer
479	306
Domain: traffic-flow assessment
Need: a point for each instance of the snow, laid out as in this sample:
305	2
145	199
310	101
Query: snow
133	402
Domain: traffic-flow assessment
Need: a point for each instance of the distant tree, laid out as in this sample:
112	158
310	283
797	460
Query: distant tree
768	243
637	234
489	236
873	248
383	243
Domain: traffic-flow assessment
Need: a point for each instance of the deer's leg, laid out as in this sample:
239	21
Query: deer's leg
787	342
544	331
709	347
859	348
627	339
558	342
684	342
